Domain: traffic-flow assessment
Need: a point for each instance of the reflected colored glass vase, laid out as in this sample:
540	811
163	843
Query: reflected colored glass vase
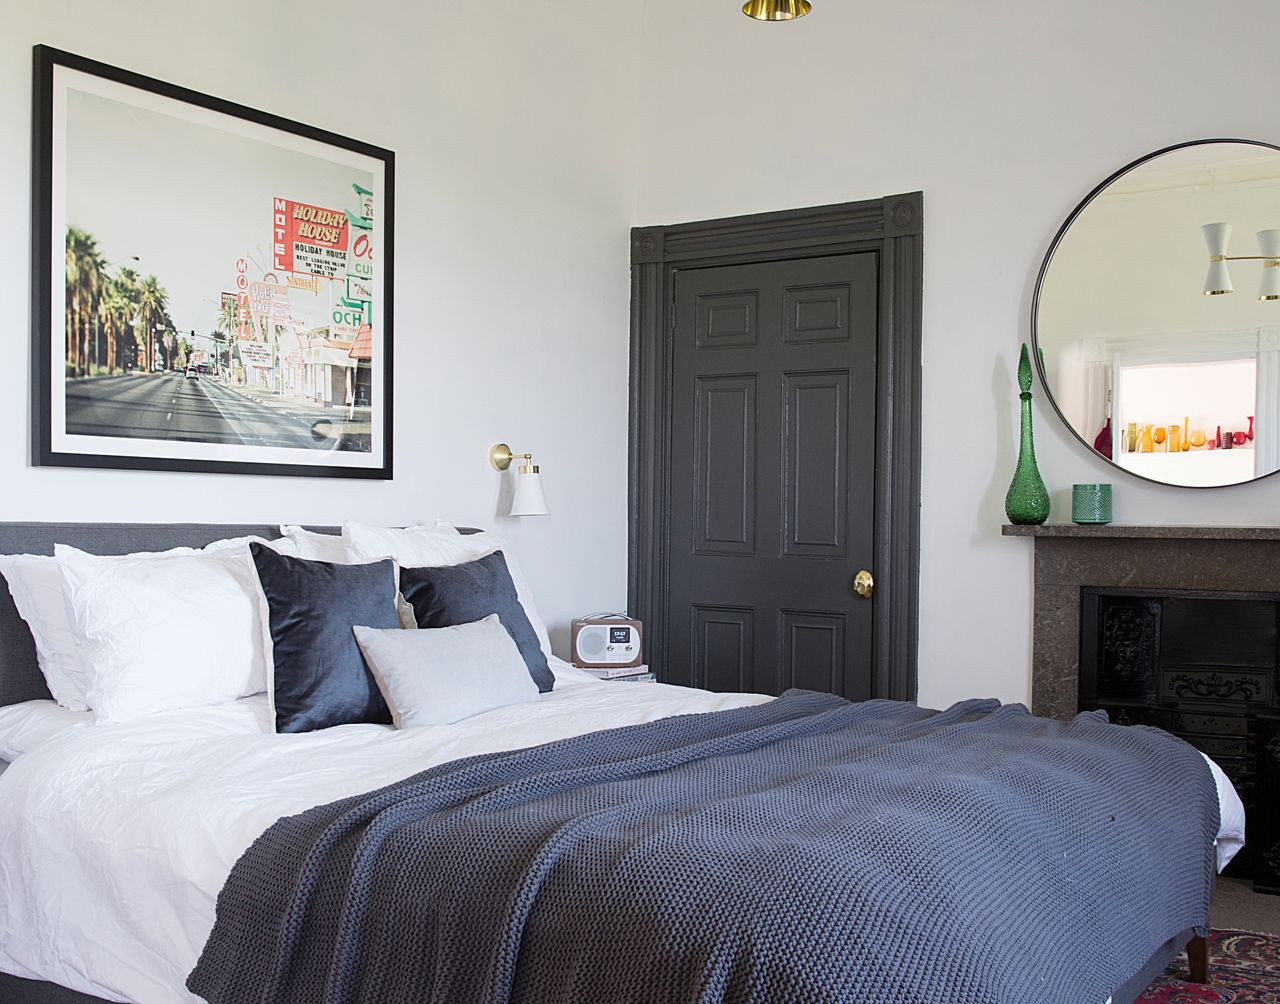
1027	501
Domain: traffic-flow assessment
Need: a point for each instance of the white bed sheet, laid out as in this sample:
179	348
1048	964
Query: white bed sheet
115	896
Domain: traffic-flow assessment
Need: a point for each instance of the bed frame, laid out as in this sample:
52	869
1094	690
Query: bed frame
20	680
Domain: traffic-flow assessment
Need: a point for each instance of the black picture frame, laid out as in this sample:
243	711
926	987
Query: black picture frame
344	455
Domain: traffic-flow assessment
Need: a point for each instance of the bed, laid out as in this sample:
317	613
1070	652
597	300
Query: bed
116	841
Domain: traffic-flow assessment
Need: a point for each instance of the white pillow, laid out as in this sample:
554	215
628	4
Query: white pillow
36	586
435	676
387	541
25	726
316	546
441	546
164	631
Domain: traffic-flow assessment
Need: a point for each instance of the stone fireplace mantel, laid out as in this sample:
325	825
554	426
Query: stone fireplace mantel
1112	531
1069	557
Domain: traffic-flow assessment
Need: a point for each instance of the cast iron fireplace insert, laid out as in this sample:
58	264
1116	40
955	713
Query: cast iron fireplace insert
1202	665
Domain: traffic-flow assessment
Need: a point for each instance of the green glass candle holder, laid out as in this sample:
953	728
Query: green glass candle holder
1091	504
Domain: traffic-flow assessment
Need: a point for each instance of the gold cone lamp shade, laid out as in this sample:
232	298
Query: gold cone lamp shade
776	10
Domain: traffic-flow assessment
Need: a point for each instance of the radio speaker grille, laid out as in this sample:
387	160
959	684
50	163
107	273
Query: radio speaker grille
591	643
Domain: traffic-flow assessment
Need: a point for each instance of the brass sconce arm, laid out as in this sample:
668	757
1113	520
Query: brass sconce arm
500	457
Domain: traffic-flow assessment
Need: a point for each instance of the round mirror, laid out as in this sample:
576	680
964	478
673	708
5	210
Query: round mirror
1157	315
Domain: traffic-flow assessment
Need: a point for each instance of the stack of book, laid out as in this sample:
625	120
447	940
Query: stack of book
623	674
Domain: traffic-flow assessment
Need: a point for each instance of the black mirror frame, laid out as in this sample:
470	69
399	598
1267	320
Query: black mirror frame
1044	269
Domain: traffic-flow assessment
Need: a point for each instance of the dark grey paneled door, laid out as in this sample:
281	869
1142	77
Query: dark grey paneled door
772	475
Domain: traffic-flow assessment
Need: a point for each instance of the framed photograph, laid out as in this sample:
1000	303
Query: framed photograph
211	284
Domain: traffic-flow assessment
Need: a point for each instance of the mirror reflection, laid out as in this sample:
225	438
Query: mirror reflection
1157	316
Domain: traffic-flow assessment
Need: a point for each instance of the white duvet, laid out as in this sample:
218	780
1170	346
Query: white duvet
115	839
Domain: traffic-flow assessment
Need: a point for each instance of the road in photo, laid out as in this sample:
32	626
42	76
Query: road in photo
172	406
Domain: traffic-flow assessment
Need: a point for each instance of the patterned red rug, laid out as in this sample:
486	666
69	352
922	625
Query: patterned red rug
1245	968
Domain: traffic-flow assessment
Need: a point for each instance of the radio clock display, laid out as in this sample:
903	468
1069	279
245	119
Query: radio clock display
619	635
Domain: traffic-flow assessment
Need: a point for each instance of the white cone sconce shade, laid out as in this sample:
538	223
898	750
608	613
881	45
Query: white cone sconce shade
1216	237
528	498
1269	242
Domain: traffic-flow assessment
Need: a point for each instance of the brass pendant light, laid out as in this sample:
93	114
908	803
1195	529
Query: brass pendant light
776	10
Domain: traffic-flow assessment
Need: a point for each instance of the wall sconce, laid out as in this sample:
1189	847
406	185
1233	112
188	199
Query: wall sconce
528	499
776	10
1216	238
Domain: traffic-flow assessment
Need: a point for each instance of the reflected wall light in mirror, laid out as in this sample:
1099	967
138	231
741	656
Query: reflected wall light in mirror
1145	371
1217	237
528	499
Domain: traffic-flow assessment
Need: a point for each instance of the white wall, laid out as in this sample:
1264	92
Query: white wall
1005	114
514	132
514	194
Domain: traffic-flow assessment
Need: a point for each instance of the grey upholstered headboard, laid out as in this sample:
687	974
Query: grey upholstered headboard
20	678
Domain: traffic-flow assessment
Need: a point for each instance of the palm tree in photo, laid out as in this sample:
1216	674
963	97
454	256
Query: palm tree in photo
86	271
168	339
153	308
229	326
94	271
112	308
69	312
227	316
126	285
116	309
76	240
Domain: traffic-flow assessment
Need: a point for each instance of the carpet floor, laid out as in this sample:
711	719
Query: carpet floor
1236	907
1245	969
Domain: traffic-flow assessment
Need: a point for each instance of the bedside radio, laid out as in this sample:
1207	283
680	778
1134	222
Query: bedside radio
605	641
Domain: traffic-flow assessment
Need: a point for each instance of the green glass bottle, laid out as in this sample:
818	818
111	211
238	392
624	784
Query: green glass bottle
1027	501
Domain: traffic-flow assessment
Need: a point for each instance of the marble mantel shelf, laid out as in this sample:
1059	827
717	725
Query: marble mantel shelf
1114	530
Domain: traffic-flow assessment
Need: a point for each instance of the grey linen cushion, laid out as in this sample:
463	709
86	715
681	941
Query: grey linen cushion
433	676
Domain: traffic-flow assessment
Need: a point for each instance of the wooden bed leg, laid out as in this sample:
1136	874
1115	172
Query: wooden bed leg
1198	957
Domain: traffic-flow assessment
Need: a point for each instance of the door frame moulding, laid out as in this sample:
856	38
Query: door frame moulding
891	227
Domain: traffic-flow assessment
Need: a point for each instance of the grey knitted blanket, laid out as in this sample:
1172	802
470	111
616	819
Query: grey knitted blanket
805	850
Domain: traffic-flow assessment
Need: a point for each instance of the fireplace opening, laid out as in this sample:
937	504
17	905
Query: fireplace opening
1202	665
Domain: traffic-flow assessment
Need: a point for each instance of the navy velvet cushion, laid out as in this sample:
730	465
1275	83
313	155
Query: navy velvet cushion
320	677
461	594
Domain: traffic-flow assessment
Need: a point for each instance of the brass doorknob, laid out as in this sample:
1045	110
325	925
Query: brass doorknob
864	584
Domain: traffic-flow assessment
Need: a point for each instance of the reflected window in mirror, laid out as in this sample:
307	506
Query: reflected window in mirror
1161	379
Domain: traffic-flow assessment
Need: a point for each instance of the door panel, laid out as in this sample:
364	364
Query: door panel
817	313
813	650
817	482
723	649
772	474
725	499
727	320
